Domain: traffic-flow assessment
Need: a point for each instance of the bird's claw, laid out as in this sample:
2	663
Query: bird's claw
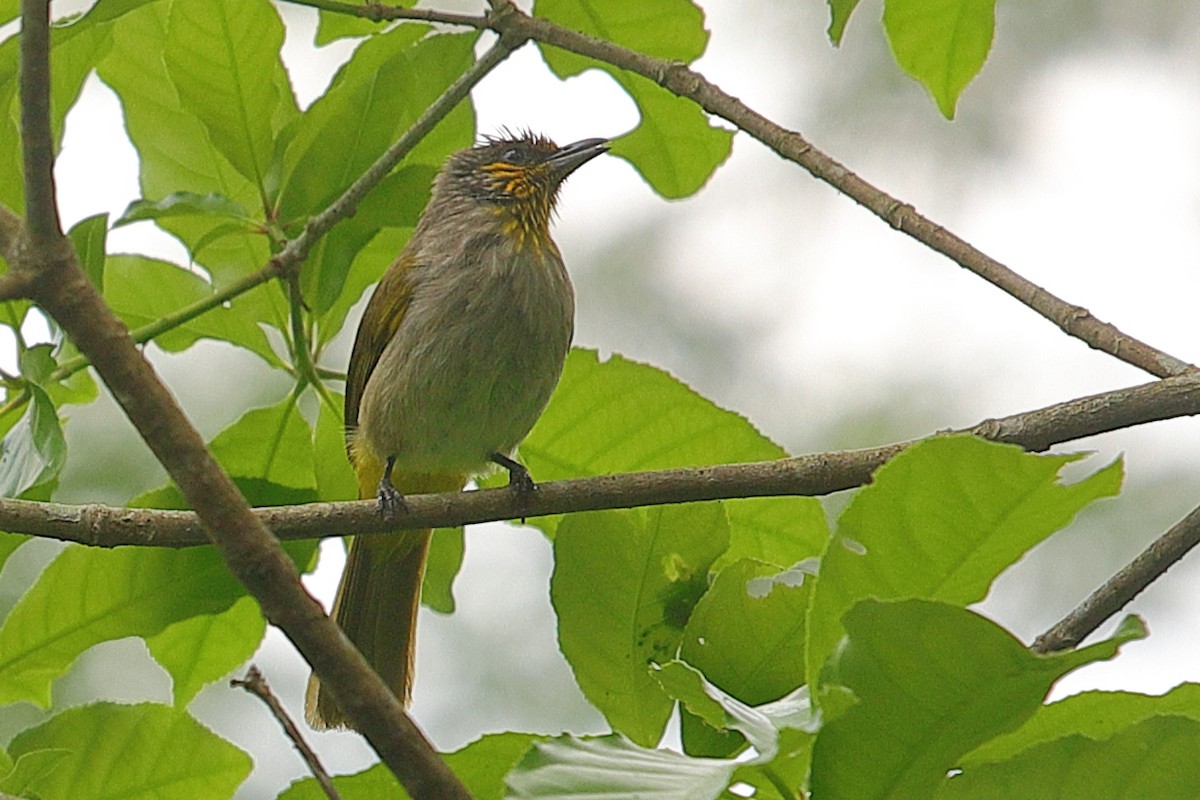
391	502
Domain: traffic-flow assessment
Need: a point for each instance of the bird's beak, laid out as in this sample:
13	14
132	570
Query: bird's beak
573	156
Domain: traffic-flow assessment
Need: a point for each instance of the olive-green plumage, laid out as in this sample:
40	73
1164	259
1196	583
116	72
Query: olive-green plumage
455	357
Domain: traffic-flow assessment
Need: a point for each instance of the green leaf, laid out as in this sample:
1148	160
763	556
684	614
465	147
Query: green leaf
941	521
721	710
9	542
624	584
87	596
223	60
89	236
335	478
37	363
668	29
941	43
33	451
621	416
199	650
31	769
12	174
332	26
783	777
1096	715
133	751
839	15
185	204
446	552
613	768
747	632
274	444
674	147
481	766
933	681
78	388
747	636
396	202
176	155
144	291
77	46
1154	759
365	269
375	96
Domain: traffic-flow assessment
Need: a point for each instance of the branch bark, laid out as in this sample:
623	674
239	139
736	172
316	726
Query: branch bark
1119	590
810	475
250	551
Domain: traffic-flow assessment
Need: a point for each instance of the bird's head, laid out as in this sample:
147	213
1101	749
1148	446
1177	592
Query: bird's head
518	177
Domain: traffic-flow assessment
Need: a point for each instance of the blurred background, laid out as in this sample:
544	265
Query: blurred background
1073	160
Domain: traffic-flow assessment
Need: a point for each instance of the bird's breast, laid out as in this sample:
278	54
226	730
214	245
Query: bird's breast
475	359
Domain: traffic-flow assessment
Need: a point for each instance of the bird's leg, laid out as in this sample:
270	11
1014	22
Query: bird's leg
518	476
519	479
391	502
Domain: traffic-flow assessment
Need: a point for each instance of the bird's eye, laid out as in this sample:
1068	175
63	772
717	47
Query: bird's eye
513	155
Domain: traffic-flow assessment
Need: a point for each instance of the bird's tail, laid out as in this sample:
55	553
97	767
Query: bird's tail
378	597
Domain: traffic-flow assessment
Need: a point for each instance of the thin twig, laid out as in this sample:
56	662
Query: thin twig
256	684
179	317
1122	588
810	475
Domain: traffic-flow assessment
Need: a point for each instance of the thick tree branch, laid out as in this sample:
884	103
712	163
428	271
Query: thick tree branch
10	233
810	475
1119	590
249	549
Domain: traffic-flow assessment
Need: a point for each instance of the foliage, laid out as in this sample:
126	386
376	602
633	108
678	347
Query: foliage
845	662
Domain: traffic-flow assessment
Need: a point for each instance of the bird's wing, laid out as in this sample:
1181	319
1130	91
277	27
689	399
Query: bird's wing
385	311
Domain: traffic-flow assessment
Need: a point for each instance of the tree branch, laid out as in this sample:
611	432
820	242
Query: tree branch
1119	590
811	475
256	684
37	140
677	78
249	549
380	12
10	233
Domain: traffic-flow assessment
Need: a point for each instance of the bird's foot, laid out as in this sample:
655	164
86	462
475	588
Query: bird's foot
519	480
391	502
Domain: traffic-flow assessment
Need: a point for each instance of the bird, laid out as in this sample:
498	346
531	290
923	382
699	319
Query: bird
455	358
